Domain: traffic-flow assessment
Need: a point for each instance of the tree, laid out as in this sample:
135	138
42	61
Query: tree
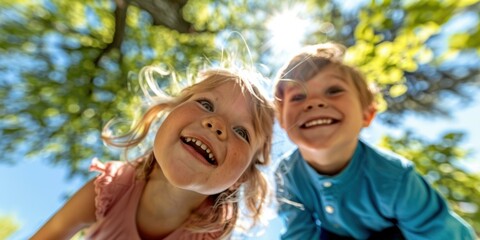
69	73
69	66
405	41
8	226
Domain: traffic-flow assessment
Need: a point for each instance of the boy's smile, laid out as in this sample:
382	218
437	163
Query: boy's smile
317	122
324	113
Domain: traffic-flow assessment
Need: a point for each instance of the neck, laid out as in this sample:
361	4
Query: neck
164	207
161	189
329	161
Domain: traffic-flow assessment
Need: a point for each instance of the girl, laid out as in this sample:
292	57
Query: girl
213	136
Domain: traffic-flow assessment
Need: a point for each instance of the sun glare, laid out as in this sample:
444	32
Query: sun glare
287	30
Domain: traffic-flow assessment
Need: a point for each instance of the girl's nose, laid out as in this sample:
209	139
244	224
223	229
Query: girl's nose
215	125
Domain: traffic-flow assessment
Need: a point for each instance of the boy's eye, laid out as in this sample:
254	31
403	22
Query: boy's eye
297	97
334	90
243	133
206	104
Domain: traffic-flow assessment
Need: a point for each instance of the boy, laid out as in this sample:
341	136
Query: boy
335	186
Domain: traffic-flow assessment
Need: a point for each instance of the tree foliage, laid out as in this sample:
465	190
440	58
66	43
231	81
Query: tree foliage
68	67
418	69
8	225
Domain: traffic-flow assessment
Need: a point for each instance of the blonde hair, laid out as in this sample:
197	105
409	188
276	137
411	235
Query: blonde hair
310	61
225	212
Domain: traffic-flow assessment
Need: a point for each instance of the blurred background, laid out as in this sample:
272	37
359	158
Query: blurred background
67	67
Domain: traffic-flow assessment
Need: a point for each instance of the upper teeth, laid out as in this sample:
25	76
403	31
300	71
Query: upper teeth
318	122
201	145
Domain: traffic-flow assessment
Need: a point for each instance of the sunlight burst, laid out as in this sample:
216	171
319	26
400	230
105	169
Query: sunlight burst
287	30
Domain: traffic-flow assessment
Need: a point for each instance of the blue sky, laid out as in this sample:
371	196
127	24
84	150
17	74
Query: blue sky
34	190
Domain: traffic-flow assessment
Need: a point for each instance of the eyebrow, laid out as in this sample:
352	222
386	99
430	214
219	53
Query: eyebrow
291	88
250	124
297	85
338	77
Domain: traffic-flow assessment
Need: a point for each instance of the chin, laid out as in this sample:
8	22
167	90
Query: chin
185	182
203	190
316	147
313	145
211	191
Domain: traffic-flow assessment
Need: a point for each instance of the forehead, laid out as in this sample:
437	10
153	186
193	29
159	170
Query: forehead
230	98
230	90
327	76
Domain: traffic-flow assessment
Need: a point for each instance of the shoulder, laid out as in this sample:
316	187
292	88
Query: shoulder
292	179
115	177
383	163
389	174
288	167
112	168
288	161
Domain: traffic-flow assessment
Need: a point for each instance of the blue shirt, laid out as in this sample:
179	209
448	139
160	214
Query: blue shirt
375	191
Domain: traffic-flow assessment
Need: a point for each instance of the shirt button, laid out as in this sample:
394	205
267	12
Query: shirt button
329	209
327	184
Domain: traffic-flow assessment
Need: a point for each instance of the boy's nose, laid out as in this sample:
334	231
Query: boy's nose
215	125
310	106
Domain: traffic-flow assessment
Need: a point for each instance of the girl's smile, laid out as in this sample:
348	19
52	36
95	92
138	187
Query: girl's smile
215	140
200	150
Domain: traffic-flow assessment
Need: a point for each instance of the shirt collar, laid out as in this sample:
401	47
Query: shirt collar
346	175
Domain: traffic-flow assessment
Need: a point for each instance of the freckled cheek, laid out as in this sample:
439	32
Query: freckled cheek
239	161
289	113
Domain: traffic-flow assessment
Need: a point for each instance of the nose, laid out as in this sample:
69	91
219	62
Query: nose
316	103
215	125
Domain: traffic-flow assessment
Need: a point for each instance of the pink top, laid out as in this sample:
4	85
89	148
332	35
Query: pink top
117	195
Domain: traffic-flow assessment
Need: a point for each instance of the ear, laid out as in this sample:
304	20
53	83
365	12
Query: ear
368	115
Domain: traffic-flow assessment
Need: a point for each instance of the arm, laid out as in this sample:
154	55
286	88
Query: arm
77	213
423	214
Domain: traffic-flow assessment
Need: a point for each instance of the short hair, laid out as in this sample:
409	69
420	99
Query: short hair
312	59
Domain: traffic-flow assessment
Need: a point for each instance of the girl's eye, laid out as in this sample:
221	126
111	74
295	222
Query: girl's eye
206	104
243	133
334	90
297	97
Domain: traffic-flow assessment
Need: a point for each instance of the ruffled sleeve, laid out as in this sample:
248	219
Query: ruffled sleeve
106	190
